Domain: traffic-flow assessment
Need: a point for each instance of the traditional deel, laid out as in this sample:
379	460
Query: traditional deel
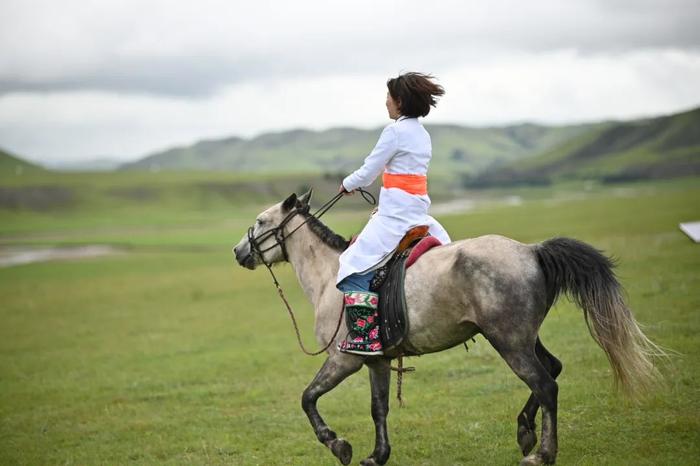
402	155
363	324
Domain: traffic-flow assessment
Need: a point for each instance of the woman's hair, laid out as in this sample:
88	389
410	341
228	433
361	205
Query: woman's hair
415	93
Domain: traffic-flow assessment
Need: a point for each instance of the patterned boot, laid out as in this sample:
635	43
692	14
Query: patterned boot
363	324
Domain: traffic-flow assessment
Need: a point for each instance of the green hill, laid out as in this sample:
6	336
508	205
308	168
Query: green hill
456	149
661	147
11	165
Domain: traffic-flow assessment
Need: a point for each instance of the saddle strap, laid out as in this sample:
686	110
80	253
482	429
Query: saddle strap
392	304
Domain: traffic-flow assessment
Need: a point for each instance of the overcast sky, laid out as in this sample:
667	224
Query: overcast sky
118	79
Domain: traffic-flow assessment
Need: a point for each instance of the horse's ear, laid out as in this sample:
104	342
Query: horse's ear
306	197
290	202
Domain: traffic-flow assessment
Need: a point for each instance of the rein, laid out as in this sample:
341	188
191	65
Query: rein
280	237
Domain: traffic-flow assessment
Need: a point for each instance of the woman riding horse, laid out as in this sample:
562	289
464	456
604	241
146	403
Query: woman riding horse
402	153
491	286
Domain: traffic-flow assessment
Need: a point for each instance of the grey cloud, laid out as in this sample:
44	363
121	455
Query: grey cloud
185	76
457	32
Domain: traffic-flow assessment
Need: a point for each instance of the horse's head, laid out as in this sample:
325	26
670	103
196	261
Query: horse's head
265	240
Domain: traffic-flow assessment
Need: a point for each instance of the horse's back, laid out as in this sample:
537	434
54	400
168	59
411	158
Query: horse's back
456	289
490	255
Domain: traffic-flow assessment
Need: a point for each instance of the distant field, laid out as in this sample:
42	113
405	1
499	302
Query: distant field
172	354
53	201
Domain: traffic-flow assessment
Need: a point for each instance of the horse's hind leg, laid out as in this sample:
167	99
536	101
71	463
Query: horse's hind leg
526	419
337	368
379	377
524	362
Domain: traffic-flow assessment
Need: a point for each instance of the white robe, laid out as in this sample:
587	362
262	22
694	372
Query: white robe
404	147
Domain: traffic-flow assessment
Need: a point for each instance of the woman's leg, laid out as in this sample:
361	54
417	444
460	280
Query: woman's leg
356	282
360	315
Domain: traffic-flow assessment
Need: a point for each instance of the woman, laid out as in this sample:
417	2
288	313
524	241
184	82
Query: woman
402	153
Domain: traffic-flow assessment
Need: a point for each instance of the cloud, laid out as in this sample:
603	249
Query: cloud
196	49
567	87
122	78
555	87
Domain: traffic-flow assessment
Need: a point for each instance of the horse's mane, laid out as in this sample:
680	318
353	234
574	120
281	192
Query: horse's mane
325	234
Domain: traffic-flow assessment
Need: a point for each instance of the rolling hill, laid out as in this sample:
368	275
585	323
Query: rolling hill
661	147
11	165
456	149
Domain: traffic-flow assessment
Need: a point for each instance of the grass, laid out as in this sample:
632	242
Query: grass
171	354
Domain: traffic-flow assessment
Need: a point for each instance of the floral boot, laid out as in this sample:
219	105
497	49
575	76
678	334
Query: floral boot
363	324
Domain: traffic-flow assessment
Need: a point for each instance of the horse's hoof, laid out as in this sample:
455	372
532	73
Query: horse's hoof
342	450
527	439
532	460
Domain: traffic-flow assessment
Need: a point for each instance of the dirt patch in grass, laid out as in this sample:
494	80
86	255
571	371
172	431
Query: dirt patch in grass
135	193
27	255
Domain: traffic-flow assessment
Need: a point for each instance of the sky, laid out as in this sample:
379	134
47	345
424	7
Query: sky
119	79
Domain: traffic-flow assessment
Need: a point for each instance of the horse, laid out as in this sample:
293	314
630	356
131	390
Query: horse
490	285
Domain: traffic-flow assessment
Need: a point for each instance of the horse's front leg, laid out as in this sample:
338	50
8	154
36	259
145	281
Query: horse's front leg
337	367
379	377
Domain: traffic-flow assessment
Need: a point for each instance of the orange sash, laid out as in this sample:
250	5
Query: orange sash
412	184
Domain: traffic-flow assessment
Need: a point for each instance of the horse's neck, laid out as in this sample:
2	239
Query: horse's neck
314	262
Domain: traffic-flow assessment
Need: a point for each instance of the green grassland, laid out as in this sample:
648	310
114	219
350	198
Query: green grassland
53	202
172	354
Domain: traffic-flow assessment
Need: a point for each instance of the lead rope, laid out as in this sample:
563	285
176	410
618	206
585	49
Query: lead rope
294	320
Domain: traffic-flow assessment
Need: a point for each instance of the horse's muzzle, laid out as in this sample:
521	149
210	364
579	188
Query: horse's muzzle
244	259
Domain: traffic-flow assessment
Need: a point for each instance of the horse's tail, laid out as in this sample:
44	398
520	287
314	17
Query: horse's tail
586	276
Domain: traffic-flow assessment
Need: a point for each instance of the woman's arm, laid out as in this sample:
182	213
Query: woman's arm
374	163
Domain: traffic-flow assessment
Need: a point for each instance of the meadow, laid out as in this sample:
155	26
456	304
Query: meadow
170	353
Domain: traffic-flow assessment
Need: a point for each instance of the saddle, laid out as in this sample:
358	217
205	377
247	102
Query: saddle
388	282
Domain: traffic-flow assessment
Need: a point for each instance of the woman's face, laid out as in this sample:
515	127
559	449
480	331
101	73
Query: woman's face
392	107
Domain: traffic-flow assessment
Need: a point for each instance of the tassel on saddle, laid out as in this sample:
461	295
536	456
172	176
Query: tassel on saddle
399	378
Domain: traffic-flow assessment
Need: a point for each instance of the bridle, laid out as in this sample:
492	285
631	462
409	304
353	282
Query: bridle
278	232
280	237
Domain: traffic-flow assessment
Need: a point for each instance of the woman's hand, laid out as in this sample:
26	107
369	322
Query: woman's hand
345	191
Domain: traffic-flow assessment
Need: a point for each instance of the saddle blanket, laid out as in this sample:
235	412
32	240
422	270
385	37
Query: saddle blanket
389	284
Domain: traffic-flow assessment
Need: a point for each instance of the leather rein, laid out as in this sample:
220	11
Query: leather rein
280	237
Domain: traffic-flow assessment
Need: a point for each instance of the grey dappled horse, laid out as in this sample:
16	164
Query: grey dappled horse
490	285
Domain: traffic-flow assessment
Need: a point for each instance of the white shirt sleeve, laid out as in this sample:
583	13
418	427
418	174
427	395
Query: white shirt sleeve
386	148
